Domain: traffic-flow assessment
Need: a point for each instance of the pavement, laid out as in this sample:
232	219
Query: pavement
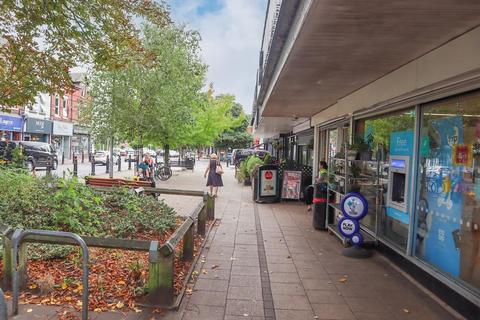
265	261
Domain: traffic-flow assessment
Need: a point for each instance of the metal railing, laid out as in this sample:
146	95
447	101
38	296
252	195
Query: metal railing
20	235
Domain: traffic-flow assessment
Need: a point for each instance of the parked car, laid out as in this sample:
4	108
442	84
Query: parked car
101	157
173	154
240	154
39	154
150	152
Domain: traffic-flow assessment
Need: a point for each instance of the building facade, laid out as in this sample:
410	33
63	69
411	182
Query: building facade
395	107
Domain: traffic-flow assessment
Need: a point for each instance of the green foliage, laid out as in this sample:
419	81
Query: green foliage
67	205
252	163
18	157
236	137
380	129
242	172
267	159
42	40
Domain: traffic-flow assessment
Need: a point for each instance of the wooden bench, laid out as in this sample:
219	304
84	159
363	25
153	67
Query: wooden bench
107	182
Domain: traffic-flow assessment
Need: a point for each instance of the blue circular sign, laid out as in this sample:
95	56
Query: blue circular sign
348	227
354	206
357	239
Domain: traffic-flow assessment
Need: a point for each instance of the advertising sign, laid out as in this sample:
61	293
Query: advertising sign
354	207
62	128
292	181
462	155
445	202
34	125
10	123
268	183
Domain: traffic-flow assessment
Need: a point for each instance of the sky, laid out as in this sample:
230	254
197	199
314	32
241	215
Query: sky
231	32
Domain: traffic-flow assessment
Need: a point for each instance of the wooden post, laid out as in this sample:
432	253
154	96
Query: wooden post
201	225
7	269
160	277
188	245
211	208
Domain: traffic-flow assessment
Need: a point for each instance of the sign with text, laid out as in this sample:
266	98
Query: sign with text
268	183
354	207
10	123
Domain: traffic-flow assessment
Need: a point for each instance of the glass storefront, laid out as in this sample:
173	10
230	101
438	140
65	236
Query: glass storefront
381	143
448	200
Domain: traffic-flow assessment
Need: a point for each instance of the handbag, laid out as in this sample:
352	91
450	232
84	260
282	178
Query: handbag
218	169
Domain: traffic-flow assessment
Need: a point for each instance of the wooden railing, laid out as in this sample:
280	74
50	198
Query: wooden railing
160	284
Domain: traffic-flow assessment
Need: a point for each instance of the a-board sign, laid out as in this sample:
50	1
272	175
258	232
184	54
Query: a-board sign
354	207
292	182
268	183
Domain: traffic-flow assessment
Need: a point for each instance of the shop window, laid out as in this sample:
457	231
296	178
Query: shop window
64	110
382	172
448	200
57	104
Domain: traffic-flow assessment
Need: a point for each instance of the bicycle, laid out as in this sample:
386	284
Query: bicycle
162	172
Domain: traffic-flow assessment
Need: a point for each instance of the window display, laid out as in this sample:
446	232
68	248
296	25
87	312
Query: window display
448	201
384	153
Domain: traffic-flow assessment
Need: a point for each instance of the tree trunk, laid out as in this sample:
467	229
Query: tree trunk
166	155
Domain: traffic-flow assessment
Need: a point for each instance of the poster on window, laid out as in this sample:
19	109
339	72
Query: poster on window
462	155
444	197
268	183
292	181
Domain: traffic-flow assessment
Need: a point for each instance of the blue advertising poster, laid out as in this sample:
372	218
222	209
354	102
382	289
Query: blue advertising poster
10	123
401	144
445	198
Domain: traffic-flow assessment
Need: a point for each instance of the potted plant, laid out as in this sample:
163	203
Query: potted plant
355	171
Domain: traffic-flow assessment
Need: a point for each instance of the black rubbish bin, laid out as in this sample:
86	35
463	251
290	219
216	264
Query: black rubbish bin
320	206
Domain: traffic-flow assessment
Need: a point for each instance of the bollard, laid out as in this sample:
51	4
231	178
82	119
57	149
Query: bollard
129	162
93	166
75	166
49	169
63	157
83	156
202	220
107	164
119	163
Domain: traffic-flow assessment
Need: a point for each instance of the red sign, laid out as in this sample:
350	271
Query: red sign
268	175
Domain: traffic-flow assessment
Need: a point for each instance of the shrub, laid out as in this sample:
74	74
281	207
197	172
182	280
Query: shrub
252	163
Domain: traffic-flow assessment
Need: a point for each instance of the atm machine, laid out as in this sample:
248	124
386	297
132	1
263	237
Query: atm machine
398	191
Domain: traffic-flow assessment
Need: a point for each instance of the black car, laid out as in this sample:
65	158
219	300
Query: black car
240	154
39	154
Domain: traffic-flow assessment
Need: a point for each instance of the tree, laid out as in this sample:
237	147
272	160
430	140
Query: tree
41	40
236	137
150	102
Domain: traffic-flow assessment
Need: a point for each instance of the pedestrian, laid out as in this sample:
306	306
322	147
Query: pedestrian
214	171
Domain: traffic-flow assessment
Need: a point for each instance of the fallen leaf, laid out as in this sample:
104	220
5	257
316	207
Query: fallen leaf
64	286
119	305
137	310
204	271
245	314
33	286
79	303
406	310
343	279
215	266
121	282
29	310
97	309
189	291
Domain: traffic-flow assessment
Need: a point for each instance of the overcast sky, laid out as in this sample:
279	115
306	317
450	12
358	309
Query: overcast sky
231	33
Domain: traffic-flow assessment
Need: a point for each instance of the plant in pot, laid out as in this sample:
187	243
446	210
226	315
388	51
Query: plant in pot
360	148
355	171
253	162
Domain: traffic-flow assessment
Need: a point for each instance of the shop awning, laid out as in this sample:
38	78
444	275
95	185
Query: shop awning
342	46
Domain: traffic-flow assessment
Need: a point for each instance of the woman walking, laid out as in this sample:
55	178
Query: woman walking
214	172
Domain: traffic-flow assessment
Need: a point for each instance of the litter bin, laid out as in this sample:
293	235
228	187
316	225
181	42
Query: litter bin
320	206
266	188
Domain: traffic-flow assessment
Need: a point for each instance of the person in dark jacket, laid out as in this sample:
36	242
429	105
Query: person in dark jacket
214	179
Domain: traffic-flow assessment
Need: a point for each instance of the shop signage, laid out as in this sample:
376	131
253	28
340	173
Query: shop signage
462	155
62	128
81	130
268	183
292	181
10	123
354	207
34	125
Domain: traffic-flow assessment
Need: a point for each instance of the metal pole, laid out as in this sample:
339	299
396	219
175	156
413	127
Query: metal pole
75	166
129	162
107	164
83	156
63	157
93	165
111	158
119	163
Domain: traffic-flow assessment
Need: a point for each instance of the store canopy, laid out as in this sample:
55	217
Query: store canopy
342	46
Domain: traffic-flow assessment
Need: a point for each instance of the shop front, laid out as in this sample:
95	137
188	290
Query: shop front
419	170
81	140
10	127
37	130
61	138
